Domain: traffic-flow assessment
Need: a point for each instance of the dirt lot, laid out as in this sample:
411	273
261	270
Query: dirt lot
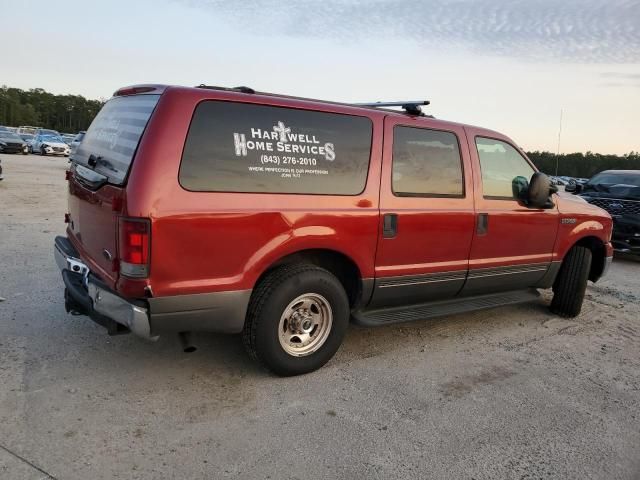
512	392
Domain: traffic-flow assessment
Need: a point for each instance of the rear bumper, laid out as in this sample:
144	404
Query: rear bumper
218	312
86	294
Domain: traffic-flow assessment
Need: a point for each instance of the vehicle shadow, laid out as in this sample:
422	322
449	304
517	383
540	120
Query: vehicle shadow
626	257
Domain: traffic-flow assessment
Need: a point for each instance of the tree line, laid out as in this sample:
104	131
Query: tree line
39	108
583	165
71	113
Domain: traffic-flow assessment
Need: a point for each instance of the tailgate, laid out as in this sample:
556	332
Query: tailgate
93	227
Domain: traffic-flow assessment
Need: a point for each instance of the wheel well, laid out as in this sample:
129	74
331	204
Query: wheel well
598	254
343	267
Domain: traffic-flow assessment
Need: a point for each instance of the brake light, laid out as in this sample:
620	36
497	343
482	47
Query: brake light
134	241
133	91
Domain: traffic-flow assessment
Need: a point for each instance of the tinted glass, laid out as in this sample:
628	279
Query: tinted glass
426	163
500	164
10	136
619	178
234	147
114	135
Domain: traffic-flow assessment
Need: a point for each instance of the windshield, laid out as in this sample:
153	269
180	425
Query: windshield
114	134
52	138
6	135
610	178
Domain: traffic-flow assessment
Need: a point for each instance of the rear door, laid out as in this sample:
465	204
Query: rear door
512	245
100	167
427	213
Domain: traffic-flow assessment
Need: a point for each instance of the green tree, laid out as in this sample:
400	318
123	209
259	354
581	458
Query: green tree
65	113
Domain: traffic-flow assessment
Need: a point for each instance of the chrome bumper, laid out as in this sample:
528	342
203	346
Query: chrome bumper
101	300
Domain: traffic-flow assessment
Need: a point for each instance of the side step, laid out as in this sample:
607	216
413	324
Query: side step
422	311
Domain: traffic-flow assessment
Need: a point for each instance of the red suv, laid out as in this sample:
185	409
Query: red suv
281	218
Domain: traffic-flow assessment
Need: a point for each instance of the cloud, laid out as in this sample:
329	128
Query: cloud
622	76
583	31
620	80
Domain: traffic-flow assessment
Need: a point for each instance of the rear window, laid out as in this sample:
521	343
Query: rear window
235	147
114	135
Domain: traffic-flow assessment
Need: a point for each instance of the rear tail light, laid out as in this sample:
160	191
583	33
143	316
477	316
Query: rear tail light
134	242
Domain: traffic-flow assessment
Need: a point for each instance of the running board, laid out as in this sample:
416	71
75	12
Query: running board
423	311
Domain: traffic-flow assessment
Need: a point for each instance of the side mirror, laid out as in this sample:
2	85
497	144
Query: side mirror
520	186
540	190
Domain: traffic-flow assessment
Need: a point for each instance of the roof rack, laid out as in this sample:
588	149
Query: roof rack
241	89
411	107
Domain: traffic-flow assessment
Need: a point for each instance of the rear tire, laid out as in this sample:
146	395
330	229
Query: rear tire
297	319
571	283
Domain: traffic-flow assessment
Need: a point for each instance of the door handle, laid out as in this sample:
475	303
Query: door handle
389	225
482	225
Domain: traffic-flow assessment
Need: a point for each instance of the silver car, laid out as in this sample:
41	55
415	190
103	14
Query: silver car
76	141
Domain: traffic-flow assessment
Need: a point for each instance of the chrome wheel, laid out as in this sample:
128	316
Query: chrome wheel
305	324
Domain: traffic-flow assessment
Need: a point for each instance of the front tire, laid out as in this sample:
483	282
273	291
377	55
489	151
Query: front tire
571	283
43	152
297	319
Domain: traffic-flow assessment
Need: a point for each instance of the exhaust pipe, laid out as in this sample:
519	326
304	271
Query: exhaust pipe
185	342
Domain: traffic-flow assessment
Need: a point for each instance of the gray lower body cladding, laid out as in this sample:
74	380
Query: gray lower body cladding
219	312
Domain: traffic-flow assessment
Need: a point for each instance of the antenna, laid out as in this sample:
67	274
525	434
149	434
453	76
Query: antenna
411	107
558	151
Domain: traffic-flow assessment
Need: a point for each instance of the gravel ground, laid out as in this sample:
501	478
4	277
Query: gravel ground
512	392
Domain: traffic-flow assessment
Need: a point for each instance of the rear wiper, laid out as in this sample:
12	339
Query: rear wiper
92	161
95	161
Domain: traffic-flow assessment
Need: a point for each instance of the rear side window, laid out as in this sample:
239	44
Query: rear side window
426	163
114	135
500	164
236	147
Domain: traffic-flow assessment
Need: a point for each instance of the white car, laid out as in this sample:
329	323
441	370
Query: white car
47	143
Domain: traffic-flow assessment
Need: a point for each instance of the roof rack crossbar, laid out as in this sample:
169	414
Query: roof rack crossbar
411	107
241	89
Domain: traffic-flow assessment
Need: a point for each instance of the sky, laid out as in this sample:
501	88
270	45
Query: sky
511	66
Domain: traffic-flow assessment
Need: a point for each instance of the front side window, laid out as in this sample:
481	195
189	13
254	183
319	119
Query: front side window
238	147
426	163
500	164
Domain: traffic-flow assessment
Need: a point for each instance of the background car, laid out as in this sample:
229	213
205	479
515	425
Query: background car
76	141
12	143
617	192
49	144
27	129
558	181
27	138
68	137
